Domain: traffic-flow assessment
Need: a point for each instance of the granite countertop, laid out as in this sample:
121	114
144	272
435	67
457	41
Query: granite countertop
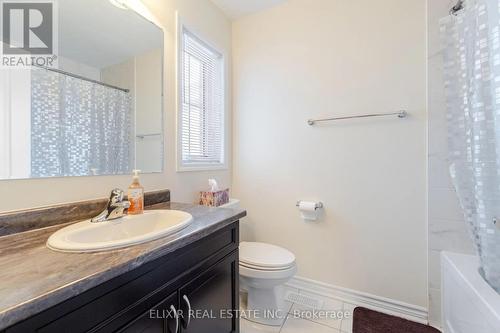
34	278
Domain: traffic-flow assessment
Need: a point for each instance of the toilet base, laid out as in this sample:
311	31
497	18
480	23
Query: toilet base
266	306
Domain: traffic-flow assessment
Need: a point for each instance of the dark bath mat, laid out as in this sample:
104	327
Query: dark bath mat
368	321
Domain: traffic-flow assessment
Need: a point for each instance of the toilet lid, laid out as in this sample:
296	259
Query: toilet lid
265	255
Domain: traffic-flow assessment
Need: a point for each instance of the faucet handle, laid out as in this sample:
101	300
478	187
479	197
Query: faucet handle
115	209
116	196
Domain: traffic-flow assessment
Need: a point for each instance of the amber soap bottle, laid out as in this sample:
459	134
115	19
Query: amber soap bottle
136	195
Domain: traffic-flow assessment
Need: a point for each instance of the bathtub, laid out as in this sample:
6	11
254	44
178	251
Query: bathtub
470	305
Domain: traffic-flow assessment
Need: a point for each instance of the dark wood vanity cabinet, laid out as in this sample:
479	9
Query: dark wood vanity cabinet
159	319
208	297
200	279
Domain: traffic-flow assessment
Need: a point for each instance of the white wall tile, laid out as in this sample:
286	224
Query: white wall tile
435	307
447	229
443	204
436	96
437	144
439	175
436	9
438	138
449	235
435	269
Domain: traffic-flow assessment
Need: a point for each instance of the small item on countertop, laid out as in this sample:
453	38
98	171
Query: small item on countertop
214	197
136	195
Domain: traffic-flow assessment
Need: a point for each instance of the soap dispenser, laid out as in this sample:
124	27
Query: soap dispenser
136	195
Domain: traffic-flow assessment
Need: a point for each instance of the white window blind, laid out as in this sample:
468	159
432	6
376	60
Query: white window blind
202	107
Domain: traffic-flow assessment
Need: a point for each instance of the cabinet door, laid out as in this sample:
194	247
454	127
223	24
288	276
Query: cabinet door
211	299
162	318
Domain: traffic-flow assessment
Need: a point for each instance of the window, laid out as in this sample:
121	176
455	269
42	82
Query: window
201	114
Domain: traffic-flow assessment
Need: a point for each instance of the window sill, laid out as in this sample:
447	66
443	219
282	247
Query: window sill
201	167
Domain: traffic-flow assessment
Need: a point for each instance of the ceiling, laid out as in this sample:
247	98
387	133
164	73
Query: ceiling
98	34
238	8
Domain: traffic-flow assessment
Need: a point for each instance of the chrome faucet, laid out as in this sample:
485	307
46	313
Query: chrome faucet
116	207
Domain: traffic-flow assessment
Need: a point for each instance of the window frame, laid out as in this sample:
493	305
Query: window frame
198	166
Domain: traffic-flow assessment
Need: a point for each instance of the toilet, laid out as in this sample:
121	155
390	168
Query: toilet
264	269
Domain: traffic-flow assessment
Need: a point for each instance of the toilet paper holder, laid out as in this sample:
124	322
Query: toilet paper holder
317	205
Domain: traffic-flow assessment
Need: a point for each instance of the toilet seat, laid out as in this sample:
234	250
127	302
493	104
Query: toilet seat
265	257
268	274
266	269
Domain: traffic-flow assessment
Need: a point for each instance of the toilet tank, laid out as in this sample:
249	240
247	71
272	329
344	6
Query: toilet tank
233	203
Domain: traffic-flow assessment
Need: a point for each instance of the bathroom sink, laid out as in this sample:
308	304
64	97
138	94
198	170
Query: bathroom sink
126	231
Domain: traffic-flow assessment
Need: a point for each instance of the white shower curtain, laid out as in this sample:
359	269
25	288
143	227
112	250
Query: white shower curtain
78	128
471	45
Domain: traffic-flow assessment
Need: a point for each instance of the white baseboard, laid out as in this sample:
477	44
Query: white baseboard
377	303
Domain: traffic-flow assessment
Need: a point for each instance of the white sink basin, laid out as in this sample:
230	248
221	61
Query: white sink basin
129	230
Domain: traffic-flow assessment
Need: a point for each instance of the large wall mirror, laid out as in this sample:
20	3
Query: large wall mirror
99	112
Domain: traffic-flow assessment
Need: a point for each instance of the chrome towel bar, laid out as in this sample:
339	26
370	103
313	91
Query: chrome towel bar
143	136
400	114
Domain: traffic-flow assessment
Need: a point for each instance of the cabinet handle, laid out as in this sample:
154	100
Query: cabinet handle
176	316
186	299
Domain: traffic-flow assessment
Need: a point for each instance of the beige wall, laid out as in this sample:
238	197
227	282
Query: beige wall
305	59
203	16
148	119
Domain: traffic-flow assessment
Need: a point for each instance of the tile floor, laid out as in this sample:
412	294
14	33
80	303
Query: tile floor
302	325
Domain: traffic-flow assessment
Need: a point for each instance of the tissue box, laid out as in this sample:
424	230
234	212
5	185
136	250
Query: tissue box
214	199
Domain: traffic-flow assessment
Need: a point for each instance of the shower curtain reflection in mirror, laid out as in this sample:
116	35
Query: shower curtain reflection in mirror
78	127
54	125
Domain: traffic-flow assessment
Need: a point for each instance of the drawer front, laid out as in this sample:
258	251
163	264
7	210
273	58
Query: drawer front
126	296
